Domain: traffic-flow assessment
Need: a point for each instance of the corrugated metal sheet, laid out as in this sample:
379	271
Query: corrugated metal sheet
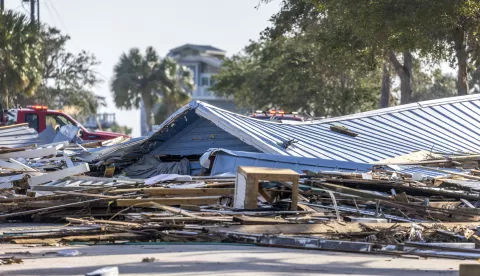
227	162
427	172
449	125
15	136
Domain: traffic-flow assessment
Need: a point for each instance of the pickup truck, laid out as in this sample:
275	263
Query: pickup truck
39	117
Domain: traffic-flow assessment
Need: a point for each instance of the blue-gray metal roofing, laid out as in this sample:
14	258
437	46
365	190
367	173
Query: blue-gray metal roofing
450	125
21	135
195	136
227	162
427	171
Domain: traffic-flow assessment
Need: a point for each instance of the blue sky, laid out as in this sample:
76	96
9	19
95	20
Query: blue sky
109	27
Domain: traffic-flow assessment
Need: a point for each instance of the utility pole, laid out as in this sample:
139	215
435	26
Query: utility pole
38	12
32	11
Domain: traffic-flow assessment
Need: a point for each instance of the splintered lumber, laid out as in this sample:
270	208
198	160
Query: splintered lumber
54	207
85	194
180	191
82	168
350	191
207	200
255	220
387	186
30	153
190	219
332	228
173	210
107	222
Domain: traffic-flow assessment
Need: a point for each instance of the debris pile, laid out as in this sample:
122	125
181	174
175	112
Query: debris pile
423	203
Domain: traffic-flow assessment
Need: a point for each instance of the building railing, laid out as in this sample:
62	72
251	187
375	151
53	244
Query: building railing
106	120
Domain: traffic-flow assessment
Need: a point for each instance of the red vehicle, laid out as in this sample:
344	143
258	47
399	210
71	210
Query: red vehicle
39	117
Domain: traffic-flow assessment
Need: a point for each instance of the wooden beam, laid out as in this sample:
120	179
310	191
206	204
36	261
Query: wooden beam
334	228
108	222
256	220
82	168
23	166
184	192
84	194
30	153
191	220
146	202
350	191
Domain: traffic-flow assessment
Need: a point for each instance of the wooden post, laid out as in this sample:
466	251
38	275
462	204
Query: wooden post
247	187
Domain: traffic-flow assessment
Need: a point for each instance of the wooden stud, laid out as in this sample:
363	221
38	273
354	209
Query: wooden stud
145	202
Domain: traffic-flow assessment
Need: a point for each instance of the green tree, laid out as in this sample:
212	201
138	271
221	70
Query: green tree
68	78
146	78
431	83
399	30
177	94
297	74
20	57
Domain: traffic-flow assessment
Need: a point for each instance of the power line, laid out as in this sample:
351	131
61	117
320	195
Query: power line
50	3
58	15
50	13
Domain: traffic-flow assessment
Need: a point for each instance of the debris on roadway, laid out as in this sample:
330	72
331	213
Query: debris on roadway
397	181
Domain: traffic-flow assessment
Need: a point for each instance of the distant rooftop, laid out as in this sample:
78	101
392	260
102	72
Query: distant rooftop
200	48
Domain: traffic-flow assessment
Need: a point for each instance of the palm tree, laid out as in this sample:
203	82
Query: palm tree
175	92
148	78
20	56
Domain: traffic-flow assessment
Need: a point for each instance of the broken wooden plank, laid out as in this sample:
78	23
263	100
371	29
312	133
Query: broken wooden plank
82	168
180	191
146	202
30	153
255	220
107	222
190	219
333	228
85	195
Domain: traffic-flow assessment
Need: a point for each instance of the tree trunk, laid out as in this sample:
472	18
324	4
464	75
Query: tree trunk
6	99
462	56
404	72
148	107
386	86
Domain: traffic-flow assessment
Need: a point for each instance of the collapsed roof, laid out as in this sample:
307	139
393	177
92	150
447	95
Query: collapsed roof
447	126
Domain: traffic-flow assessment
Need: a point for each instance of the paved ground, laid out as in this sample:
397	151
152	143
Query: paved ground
213	260
217	260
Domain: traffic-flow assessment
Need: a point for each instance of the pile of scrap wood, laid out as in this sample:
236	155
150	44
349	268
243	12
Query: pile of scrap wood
378	212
